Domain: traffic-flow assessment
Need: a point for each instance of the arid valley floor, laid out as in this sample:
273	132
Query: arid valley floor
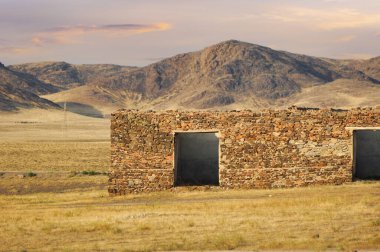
47	202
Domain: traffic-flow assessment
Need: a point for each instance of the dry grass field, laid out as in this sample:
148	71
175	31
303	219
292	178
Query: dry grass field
58	156
13	184
44	125
41	141
343	218
61	209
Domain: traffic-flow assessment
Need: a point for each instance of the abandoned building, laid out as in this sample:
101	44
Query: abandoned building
154	151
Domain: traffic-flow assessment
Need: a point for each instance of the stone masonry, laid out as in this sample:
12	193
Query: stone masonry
267	149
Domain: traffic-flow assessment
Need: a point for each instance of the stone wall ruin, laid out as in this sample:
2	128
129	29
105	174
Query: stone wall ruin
267	149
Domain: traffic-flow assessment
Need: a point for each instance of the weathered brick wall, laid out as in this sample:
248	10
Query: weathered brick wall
284	148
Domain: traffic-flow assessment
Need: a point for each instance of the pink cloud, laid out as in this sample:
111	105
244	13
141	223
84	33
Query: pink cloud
75	34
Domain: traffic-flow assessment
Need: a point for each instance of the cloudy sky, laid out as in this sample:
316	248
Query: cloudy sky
139	32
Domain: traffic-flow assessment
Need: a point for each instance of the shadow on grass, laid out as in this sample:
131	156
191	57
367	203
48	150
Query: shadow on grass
82	109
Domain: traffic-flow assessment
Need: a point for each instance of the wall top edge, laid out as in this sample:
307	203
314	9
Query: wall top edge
290	110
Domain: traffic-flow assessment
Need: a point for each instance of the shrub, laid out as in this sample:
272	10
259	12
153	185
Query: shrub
31	174
93	173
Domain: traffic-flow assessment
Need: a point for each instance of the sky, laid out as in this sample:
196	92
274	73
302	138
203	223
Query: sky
140	32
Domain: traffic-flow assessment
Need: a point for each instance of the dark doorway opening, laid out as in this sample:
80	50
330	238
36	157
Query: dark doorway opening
367	154
196	158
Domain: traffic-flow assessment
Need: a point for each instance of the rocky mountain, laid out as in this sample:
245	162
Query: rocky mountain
231	74
228	75
22	85
65	76
21	90
370	67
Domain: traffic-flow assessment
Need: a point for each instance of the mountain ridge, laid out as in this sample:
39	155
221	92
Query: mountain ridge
228	75
224	74
20	90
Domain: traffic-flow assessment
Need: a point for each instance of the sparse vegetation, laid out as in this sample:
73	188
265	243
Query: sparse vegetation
93	173
83	144
30	174
50	182
314	218
26	122
54	156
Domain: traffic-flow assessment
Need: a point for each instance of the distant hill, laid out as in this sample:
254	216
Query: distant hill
235	74
21	90
370	67
228	75
65	76
32	80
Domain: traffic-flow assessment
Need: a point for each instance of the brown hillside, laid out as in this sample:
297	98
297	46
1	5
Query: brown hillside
370	67
65	76
20	90
231	74
228	75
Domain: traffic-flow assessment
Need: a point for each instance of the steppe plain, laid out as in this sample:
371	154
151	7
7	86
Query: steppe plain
47	202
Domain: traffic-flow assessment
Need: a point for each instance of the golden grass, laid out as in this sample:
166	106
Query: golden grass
54	156
12	184
56	211
38	140
49	125
318	218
